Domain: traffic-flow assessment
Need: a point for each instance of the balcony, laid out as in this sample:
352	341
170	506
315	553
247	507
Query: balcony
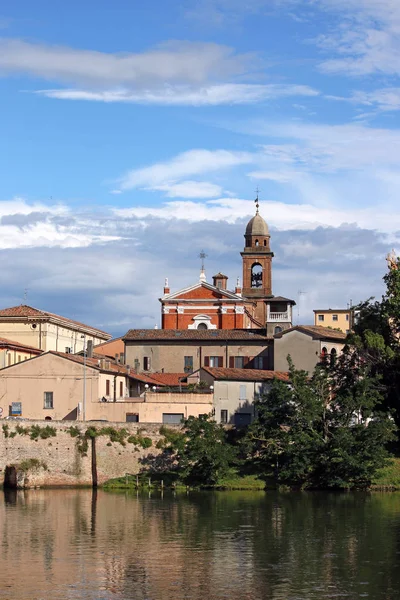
276	317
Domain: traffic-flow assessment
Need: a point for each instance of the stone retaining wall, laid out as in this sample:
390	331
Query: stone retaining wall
57	461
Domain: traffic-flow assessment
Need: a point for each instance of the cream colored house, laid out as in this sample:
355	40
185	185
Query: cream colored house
235	391
13	352
337	318
58	386
307	345
47	331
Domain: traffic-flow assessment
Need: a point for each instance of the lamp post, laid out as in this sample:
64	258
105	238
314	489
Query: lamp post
146	387
84	378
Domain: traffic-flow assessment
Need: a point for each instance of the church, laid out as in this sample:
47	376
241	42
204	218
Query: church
251	306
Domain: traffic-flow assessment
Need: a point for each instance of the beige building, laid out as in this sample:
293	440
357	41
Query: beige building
307	345
47	331
235	391
337	318
174	351
58	386
13	352
114	349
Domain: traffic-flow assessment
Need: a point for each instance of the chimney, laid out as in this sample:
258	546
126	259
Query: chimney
220	281
166	287
89	349
238	289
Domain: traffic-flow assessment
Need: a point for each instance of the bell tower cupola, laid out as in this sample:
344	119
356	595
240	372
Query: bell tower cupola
257	258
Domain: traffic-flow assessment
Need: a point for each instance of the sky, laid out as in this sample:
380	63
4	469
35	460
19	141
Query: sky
134	135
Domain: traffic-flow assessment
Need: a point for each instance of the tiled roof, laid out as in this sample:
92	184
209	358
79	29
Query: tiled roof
162	379
19	346
177	335
332	310
24	311
320	333
281	299
109	366
246	374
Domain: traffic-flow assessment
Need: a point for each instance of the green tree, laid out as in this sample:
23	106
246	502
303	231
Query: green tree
205	456
323	430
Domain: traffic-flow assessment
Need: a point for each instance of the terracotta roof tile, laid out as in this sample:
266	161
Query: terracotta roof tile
246	374
29	312
162	379
19	346
317	332
194	334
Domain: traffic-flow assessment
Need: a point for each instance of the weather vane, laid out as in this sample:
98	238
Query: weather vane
256	200
202	255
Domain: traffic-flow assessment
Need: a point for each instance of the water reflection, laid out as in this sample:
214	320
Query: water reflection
95	545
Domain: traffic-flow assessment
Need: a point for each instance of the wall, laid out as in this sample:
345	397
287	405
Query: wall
110	348
45	336
11	356
343	322
152	409
170	356
28	381
65	464
304	351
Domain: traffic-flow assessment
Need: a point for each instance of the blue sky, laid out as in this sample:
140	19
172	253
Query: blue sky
133	136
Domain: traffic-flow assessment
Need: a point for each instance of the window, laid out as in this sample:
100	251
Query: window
132	418
172	418
278	329
188	364
321	318
347	317
213	361
219	284
121	389
243	392
68	350
107	387
224	416
257	242
242	419
146	363
265	242
256	275
239	362
202	326
48	400
260	362
334	317
333	357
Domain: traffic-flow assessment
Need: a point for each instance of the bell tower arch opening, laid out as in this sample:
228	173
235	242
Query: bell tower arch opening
256	275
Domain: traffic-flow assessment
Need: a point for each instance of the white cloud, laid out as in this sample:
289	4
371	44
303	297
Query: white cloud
189	189
175	73
187	164
211	95
366	39
278	214
384	99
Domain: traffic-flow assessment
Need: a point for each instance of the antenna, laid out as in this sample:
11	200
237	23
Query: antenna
25	298
300	293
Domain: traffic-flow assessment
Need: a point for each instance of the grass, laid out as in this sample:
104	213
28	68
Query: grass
237	482
388	478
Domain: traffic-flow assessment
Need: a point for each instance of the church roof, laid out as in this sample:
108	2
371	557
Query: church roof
257	226
226	294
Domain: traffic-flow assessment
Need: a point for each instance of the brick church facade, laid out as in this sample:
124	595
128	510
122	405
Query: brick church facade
213	306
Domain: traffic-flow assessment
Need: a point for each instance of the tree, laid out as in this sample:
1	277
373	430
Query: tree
323	430
205	455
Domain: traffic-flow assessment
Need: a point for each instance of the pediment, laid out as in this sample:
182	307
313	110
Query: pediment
201	291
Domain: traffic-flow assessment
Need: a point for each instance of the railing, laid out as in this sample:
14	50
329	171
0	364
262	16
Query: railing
280	316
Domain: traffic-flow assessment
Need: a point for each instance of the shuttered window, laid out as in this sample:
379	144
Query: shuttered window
213	361
107	387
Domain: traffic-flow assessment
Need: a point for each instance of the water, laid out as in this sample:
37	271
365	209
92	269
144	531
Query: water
73	544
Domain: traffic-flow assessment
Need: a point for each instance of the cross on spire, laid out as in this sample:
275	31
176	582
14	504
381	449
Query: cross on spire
202	255
257	201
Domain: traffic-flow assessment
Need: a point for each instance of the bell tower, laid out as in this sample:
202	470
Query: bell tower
257	263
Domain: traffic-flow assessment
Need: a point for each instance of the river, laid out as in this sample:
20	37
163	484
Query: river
79	544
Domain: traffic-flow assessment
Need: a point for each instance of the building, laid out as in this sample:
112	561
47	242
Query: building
60	386
174	350
13	352
337	318
47	331
235	391
213	306
113	349
307	345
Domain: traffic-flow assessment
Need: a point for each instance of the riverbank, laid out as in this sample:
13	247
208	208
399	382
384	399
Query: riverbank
388	478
